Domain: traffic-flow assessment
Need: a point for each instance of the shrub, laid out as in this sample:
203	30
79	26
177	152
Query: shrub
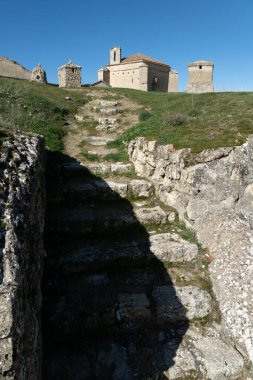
145	115
175	118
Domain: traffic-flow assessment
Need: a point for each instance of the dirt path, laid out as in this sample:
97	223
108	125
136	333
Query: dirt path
98	121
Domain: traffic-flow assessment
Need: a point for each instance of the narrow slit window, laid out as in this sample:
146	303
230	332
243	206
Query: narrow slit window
114	56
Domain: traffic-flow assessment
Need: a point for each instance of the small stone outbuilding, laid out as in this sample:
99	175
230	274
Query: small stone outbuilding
70	75
39	74
200	77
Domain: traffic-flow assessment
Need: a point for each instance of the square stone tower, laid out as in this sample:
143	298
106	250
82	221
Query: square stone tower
70	75
200	77
173	81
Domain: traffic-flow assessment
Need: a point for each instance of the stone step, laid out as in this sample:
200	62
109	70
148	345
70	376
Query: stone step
81	303
109	168
89	255
108	103
93	218
106	127
97	140
82	189
107	120
108	111
184	353
104	217
76	169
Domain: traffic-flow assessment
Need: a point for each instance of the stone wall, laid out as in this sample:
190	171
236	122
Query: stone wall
213	193
158	77
21	205
12	69
132	75
140	76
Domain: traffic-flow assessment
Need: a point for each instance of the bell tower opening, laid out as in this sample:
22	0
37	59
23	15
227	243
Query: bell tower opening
115	55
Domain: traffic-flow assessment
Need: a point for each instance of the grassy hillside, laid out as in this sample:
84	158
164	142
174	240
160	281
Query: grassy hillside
32	107
198	121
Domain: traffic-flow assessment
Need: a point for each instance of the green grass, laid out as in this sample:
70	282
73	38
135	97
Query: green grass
32	107
198	121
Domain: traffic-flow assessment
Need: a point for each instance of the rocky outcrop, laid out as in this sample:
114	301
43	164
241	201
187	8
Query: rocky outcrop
21	205
213	193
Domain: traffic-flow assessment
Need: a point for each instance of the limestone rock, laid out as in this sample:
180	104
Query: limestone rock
151	215
105	128
141	188
120	188
204	355
170	247
133	306
106	121
108	103
79	118
108	111
121	167
181	303
96	140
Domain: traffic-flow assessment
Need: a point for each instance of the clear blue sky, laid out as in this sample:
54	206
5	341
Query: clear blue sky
175	31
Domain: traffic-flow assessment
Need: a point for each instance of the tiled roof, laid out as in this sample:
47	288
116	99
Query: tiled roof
141	57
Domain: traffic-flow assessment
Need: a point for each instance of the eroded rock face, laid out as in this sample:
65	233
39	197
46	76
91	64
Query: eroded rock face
214	196
22	213
203	355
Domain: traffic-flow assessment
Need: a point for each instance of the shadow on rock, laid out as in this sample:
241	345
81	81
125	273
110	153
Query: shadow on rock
110	310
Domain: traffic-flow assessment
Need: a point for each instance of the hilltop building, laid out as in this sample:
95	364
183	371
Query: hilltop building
12	69
70	75
139	72
39	74
200	77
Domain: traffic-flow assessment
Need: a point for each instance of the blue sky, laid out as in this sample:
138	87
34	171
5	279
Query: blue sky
174	31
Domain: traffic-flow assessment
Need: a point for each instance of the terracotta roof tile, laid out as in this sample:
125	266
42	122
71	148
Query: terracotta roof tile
141	57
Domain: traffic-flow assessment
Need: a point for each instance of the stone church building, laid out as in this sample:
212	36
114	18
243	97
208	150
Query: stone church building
139	72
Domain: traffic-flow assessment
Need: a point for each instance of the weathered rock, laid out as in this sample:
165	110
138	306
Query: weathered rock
204	355
97	141
21	244
215	198
177	303
108	111
79	118
170	247
140	188
105	128
151	215
106	121
120	167
108	103
133	306
119	188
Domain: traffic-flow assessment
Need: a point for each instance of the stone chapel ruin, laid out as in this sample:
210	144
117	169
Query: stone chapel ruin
39	74
138	72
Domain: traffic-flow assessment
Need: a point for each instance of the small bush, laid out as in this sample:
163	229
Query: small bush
145	115
175	119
